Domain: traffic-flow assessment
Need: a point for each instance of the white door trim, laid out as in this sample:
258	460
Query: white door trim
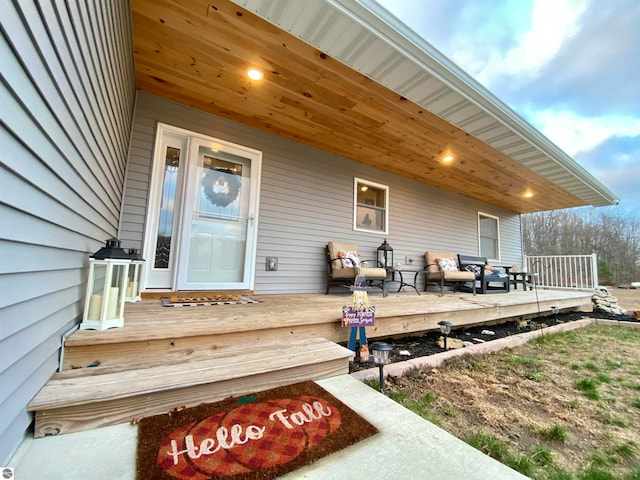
155	193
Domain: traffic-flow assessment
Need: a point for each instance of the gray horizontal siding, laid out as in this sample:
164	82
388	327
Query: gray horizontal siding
67	96
307	200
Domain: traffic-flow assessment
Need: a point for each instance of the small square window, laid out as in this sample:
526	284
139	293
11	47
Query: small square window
370	206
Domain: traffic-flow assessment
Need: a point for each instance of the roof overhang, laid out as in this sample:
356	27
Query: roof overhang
346	77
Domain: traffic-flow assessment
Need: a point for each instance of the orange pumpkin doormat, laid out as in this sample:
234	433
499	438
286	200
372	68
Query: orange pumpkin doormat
259	436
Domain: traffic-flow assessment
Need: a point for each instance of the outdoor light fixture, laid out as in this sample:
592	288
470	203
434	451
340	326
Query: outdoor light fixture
445	329
106	290
254	74
385	255
381	352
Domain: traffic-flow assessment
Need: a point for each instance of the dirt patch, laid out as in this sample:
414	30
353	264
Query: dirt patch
563	403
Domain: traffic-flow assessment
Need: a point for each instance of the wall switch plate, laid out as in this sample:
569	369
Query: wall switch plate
272	264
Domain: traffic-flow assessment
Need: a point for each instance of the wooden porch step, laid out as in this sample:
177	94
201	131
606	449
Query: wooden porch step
94	397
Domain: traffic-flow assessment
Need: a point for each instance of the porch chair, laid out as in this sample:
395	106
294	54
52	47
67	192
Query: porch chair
491	279
344	263
442	269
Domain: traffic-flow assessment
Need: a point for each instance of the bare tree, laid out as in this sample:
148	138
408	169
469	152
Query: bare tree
612	236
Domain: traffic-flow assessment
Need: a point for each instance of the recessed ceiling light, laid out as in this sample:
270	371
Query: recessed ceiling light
447	159
254	74
528	194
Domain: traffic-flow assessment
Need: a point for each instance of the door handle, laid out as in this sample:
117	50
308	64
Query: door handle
221	216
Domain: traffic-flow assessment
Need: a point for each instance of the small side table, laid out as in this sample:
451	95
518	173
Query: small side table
403	283
523	278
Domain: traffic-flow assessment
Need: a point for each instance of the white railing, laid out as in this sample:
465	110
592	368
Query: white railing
564	271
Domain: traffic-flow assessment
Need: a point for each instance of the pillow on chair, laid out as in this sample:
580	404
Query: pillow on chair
447	264
349	259
475	269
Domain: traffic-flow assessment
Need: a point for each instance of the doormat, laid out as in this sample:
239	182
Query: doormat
181	301
258	436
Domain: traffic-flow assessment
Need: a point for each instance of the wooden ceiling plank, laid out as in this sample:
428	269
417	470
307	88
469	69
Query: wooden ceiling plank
197	53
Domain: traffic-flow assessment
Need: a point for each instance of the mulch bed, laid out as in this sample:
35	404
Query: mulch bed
425	344
258	436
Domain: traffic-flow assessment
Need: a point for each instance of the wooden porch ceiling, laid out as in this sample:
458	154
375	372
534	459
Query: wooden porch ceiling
197	52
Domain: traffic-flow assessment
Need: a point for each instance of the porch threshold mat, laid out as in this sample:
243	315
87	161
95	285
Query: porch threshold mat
206	300
259	436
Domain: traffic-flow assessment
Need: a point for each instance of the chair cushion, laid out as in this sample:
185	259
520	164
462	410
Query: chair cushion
344	274
447	264
335	248
432	264
373	273
460	275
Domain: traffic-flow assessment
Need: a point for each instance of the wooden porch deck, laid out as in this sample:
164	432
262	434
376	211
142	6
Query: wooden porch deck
152	330
168	357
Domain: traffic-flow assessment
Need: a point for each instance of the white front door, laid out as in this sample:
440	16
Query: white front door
214	220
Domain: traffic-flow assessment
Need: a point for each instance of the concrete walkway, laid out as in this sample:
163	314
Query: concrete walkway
407	447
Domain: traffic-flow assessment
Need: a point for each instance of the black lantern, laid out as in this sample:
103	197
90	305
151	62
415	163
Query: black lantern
445	329
381	352
385	255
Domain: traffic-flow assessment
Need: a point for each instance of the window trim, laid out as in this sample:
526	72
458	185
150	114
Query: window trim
360	181
497	219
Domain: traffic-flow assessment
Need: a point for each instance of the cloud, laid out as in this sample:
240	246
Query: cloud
569	67
447	25
615	163
551	23
593	71
578	134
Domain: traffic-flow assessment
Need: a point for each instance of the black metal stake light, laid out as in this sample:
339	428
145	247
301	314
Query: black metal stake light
381	356
445	329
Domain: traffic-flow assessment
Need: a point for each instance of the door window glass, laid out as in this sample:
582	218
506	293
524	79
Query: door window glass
167	207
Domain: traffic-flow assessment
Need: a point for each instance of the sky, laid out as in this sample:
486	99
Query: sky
571	68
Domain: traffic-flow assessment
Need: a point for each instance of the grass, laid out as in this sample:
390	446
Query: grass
564	406
627	449
542	455
555	433
614	420
589	387
422	405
